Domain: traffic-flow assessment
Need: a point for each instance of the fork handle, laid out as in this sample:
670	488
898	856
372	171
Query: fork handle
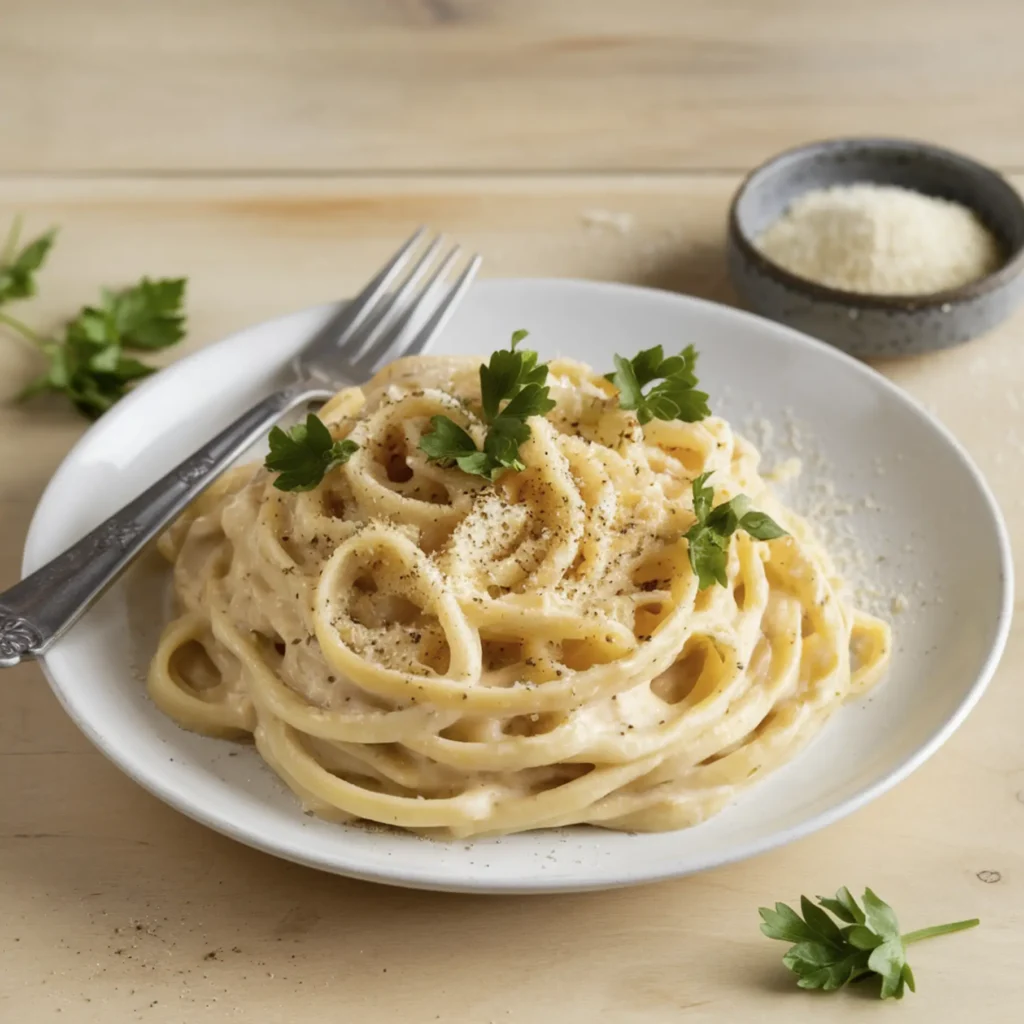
39	609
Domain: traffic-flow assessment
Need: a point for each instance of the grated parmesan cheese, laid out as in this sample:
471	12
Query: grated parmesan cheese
823	505
882	240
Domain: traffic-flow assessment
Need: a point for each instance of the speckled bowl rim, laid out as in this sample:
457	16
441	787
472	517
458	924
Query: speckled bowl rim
1013	265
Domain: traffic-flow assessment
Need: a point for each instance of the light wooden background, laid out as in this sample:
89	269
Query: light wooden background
274	151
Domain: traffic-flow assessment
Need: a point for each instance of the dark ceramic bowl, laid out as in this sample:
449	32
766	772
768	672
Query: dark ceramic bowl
877	325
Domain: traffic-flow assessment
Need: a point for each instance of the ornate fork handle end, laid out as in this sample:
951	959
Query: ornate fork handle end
19	639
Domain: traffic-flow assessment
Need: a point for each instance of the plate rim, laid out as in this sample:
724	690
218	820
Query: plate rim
34	552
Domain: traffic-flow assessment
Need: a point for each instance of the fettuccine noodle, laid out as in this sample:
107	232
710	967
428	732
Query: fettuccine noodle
415	646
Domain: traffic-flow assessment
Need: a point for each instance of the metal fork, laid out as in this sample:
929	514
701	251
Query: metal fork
393	316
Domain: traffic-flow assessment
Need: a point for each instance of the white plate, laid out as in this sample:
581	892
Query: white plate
875	440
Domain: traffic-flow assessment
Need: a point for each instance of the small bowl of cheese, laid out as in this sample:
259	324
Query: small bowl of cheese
882	247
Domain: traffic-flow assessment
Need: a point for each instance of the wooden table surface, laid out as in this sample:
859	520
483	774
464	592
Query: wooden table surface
274	152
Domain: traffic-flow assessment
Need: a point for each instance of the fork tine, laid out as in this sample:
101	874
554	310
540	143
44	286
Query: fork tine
444	311
355	311
379	337
400	324
441	315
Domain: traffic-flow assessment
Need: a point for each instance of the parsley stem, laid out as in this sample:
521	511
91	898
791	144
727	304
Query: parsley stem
11	242
939	929
19	328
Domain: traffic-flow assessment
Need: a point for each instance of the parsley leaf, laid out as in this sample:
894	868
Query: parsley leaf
532	400
761	526
844	907
503	440
826	956
674	398
709	557
625	378
89	364
703	497
147	316
18	269
708	538
447	442
513	376
725	518
507	373
305	454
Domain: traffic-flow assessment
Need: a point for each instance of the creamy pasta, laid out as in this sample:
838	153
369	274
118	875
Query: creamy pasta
411	645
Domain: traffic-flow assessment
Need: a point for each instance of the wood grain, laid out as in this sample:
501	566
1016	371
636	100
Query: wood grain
568	85
116	908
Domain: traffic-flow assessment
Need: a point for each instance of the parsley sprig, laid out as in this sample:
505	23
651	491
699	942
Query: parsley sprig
89	361
91	364
708	538
676	396
827	956
303	455
513	376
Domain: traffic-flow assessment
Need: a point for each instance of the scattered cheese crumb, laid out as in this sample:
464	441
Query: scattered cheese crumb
899	604
620	222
